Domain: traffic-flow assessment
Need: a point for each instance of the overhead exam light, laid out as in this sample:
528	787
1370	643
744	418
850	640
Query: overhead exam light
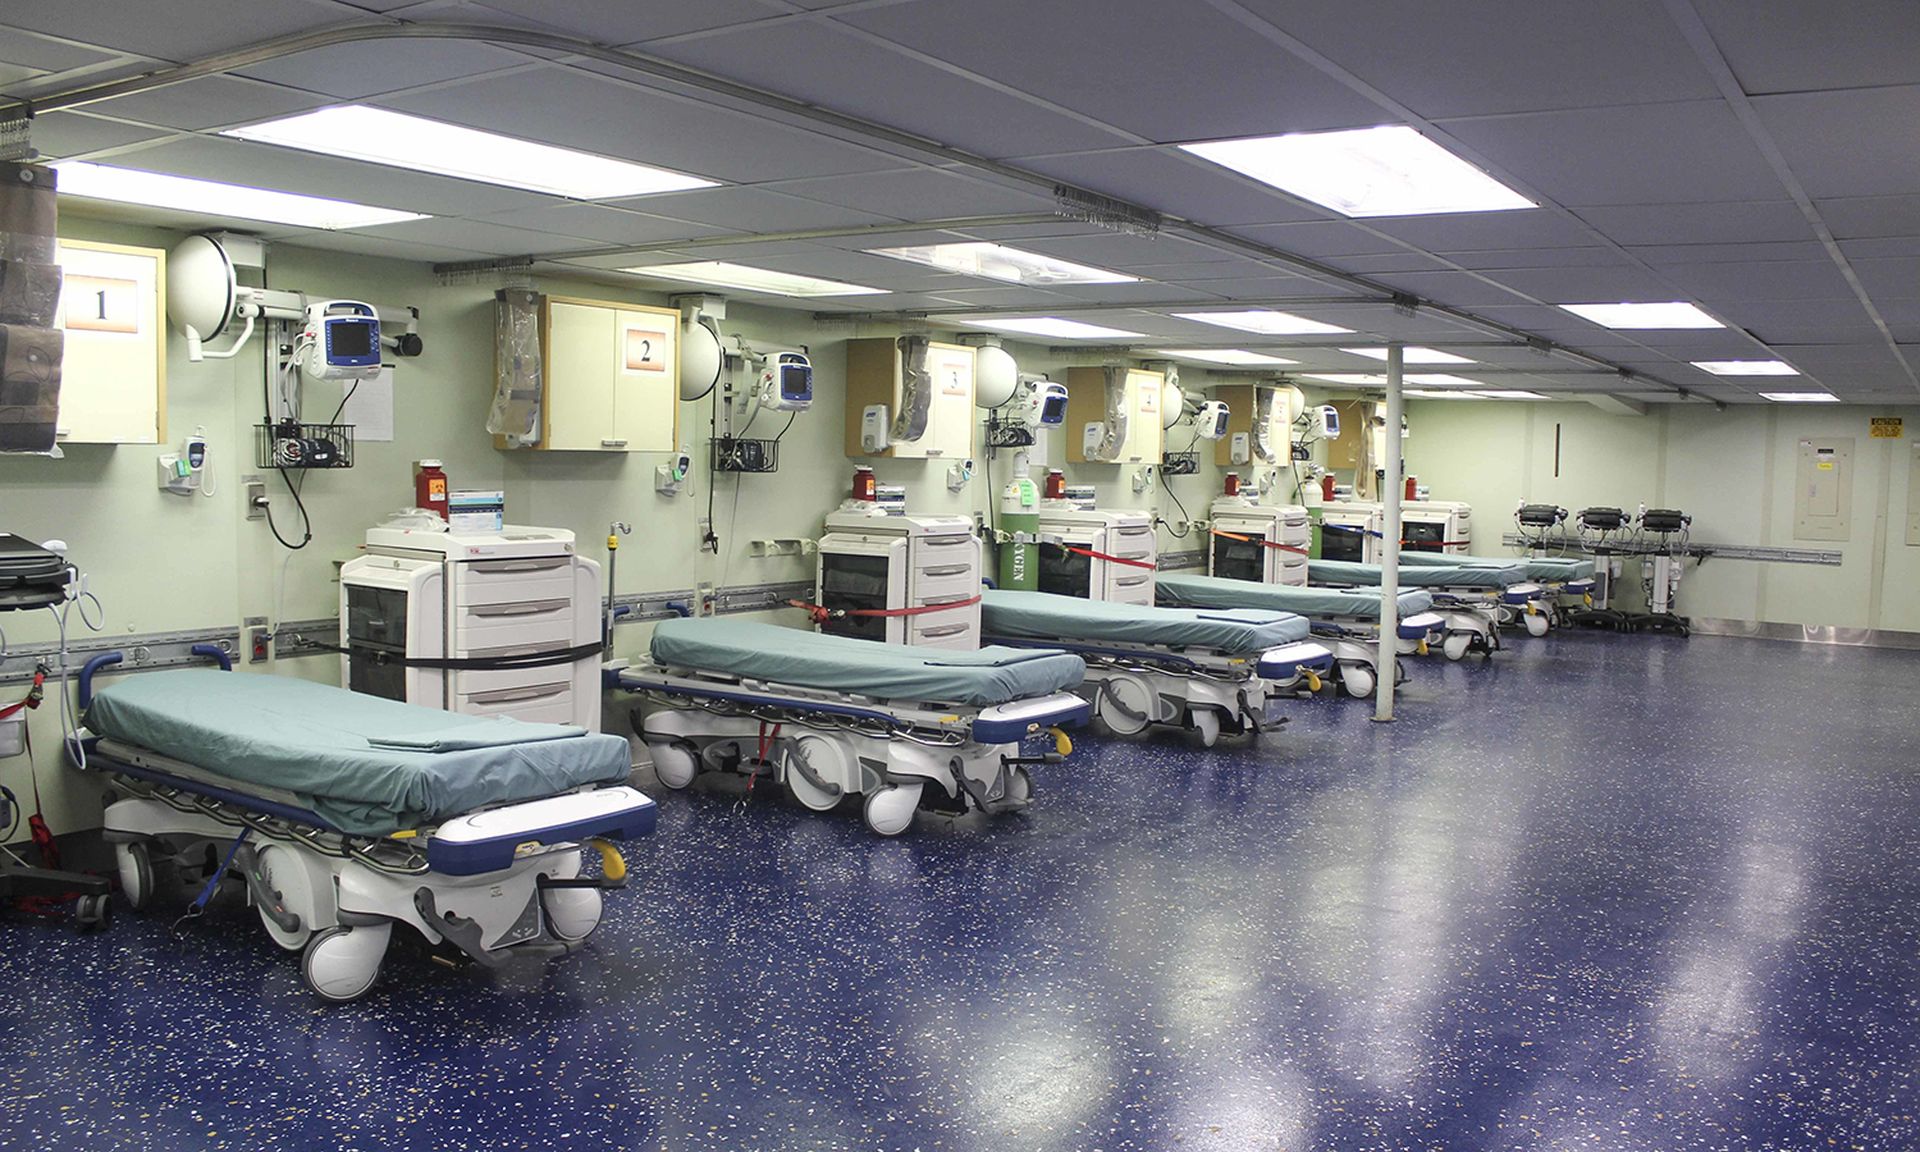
212	198
378	136
1390	170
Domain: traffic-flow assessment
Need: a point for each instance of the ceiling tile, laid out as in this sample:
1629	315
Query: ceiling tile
1573	257
1881	248
596	222
1889	278
368	68
895	88
1867	216
1639	154
1802	321
1767	280
1174	182
1585	285
35	53
1321	239
1844	143
212	102
1166	72
1757	252
749	210
1802	45
1483	231
1725	222
1482	57
476	236
1458	289
599	115
384	246
918	194
62	134
625	22
176	30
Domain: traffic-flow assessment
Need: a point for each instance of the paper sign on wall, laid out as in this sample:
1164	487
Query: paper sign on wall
1886	427
646	350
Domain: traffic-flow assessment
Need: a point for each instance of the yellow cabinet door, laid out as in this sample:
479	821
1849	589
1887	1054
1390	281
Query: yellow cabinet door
580	347
646	383
113	368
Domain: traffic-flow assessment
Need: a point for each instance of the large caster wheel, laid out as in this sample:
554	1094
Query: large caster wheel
93	913
1406	647
1206	721
1457	644
572	913
1019	790
674	764
828	762
1125	705
135	864
1357	681
1537	624
341	964
889	811
286	874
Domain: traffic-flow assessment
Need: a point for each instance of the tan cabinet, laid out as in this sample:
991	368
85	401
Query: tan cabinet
113	377
875	376
610	376
1087	417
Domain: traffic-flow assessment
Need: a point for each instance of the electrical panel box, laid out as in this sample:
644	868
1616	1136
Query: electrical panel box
874	376
1823	488
610	377
1087	405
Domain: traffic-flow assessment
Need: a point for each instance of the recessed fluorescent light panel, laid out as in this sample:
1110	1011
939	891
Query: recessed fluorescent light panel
1746	367
378	136
1000	263
1673	314
1433	394
1054	326
1508	394
1411	355
749	279
1799	397
1265	322
1391	170
1235	356
211	198
1379	379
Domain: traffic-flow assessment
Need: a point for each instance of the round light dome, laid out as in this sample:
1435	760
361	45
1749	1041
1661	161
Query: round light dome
200	286
1173	403
995	375
699	360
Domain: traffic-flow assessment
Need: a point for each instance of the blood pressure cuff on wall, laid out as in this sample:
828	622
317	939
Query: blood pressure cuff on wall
29	387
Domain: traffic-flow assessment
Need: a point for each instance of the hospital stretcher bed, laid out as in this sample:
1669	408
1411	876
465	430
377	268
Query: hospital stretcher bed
1211	670
832	716
1566	582
1472	599
344	815
1345	620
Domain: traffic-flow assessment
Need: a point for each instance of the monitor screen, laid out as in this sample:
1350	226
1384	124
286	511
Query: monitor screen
349	338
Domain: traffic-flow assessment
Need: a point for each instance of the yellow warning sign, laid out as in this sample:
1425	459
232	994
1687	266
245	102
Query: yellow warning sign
1885	427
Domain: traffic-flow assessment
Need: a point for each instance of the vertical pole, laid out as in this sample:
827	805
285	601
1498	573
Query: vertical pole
1390	543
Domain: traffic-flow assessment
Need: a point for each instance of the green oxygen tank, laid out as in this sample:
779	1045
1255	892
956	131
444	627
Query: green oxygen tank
1020	521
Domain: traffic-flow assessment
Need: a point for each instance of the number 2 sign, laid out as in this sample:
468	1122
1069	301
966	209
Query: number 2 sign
646	351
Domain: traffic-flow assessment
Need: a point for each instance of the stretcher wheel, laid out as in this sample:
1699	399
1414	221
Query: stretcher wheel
889	811
572	913
1456	645
1125	705
1407	647
92	913
1019	787
1206	721
341	964
135	864
286	873
828	761
1537	624
1357	681
674	764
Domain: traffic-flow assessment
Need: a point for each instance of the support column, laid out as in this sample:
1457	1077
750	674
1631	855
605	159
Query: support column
1390	542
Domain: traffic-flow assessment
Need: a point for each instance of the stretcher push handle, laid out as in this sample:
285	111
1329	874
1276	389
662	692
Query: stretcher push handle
88	670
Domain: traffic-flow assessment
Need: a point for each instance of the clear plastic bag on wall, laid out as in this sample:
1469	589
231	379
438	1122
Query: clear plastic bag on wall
916	390
1265	400
1116	426
517	390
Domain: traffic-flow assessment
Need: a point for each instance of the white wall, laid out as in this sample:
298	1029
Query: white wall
1733	470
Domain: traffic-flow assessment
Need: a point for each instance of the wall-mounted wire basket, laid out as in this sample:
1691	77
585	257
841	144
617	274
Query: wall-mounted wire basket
736	454
290	444
1180	463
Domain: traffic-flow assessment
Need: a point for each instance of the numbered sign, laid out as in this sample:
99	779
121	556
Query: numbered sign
645	350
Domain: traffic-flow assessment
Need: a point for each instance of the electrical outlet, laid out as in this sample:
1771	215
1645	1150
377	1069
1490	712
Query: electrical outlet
259	641
256	497
703	599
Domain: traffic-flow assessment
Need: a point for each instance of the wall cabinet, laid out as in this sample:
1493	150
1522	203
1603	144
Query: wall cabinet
875	376
1264	413
610	376
1087	416
113	374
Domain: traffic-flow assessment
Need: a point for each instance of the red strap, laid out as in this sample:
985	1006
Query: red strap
1091	554
821	613
1258	540
32	698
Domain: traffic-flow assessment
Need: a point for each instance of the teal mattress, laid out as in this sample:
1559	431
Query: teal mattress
1446	575
1045	616
365	765
1312	603
1553	569
769	652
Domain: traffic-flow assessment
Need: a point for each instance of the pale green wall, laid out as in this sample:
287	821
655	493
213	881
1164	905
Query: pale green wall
1733	470
159	562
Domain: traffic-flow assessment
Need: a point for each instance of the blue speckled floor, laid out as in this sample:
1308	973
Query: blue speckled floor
1611	893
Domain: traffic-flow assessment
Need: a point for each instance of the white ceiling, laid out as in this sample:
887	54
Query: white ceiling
1751	158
